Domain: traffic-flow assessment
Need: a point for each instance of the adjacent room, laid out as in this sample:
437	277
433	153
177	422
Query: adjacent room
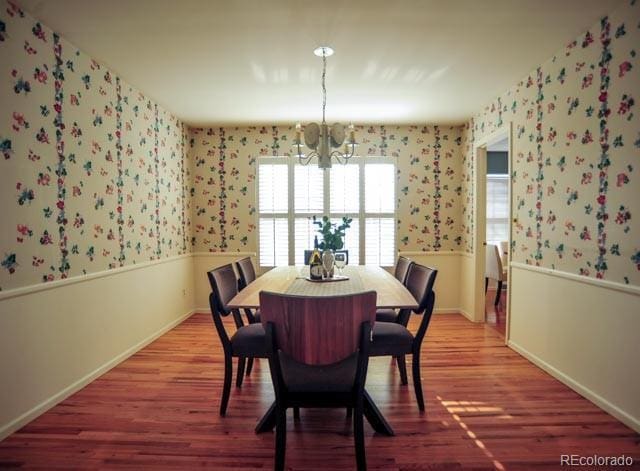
319	235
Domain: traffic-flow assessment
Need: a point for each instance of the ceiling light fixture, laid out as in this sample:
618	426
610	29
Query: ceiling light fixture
321	139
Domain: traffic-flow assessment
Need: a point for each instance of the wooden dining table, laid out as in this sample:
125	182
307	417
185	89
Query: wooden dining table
293	280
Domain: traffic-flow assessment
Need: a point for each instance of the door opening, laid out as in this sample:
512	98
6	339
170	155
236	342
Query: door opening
492	213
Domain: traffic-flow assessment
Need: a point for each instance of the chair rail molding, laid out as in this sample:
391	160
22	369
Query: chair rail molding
613	285
12	293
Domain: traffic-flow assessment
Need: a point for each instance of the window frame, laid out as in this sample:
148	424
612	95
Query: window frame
502	178
361	215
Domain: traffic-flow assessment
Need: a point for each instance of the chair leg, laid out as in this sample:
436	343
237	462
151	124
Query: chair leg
349	412
296	413
402	366
486	284
358	438
498	291
241	364
249	366
417	382
281	439
226	388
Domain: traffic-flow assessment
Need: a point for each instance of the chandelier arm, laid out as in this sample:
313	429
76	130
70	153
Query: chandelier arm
306	159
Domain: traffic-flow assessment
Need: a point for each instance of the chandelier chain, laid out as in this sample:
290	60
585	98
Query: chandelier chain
324	88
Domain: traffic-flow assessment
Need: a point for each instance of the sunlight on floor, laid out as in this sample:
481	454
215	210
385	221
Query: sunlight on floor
453	407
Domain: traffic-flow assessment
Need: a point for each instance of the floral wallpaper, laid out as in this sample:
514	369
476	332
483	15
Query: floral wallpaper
96	176
224	165
576	143
93	172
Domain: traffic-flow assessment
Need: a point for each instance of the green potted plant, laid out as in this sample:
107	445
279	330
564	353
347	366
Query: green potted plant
332	239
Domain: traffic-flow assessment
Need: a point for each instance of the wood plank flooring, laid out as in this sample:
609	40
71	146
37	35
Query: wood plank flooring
487	408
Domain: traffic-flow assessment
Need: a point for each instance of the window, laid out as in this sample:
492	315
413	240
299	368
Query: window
497	208
289	194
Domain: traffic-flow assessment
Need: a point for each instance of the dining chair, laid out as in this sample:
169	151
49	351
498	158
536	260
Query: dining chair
400	273
494	270
395	339
247	342
318	356
247	274
308	253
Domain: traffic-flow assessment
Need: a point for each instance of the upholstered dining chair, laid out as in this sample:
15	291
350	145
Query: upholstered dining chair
318	355
247	342
400	273
494	270
247	274
394	339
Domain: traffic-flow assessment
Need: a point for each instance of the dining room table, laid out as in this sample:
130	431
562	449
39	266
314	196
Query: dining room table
294	280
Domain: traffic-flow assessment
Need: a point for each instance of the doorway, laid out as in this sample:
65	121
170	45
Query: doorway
492	213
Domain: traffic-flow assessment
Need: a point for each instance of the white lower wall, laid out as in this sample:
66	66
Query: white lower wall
56	340
583	333
467	287
447	286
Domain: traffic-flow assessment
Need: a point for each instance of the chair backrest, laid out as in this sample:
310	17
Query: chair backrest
246	271
493	263
224	285
504	253
318	330
402	268
307	255
420	281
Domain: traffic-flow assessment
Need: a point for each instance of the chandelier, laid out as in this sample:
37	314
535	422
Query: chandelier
322	139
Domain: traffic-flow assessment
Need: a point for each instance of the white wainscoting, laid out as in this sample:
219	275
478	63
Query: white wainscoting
582	331
58	338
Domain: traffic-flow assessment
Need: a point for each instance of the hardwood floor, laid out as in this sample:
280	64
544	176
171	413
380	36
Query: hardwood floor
487	408
496	316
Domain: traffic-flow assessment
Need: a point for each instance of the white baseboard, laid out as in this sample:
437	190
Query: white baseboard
19	422
466	314
587	393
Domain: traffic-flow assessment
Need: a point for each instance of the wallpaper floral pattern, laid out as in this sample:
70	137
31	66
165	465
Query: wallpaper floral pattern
224	165
93	172
576	143
97	176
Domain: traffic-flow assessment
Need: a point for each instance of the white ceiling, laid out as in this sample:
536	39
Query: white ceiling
251	61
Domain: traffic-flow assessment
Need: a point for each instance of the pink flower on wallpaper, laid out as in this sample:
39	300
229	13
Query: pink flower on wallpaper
622	179
40	75
19	122
624	68
587	80
602	199
626	104
44	179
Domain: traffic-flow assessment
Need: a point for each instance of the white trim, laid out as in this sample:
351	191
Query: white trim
468	316
467	254
12	293
224	254
587	393
631	289
60	396
430	253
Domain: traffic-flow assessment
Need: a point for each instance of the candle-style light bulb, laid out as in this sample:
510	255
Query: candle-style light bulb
298	133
